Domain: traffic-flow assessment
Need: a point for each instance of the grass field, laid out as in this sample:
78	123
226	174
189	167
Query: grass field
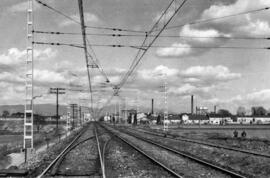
6	139
11	138
253	131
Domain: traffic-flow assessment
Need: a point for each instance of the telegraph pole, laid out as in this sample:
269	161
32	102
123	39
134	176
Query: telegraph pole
73	107
57	91
80	114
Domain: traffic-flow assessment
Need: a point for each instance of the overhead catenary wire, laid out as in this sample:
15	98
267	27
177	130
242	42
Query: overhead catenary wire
167	46
153	46
161	36
142	51
97	62
86	26
58	44
218	18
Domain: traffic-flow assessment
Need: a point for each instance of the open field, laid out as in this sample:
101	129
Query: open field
7	139
253	131
11	141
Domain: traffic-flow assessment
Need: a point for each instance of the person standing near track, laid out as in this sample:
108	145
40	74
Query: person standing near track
113	118
235	134
243	134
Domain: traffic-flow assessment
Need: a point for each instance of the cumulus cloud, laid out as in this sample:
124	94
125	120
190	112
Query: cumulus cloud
10	77
243	23
197	33
259	97
220	10
256	27
15	56
175	50
46	76
188	89
208	74
44	54
158	72
88	17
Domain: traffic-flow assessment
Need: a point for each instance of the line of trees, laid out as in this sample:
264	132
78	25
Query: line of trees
241	111
255	111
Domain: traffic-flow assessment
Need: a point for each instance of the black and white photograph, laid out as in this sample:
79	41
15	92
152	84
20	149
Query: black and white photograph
135	88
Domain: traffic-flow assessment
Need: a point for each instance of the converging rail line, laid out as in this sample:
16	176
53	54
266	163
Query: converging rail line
53	168
177	138
180	153
163	166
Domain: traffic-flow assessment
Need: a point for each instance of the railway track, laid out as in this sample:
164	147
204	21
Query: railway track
142	152
177	138
225	171
88	138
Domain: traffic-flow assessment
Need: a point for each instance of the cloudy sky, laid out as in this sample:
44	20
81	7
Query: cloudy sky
224	77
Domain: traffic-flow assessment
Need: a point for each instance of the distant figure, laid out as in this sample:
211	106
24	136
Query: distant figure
113	118
235	134
158	119
135	119
129	119
243	134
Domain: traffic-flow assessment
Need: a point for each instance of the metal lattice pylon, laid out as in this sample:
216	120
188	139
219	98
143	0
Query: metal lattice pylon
68	93
28	112
165	122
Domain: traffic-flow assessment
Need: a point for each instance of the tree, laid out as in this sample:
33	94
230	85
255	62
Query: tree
224	112
5	113
241	111
258	111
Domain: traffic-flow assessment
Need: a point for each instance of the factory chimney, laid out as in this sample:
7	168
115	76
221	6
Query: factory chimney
152	110
191	104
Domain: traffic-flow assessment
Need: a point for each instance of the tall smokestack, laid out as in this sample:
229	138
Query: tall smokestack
191	104
152	111
215	109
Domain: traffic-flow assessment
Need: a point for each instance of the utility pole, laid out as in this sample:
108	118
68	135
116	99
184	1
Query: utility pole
192	103
119	109
73	107
80	114
152	106
125	110
57	91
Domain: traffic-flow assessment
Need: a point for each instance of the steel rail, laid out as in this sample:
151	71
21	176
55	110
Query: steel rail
207	144
104	151
206	163
60	155
58	163
169	170
100	155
